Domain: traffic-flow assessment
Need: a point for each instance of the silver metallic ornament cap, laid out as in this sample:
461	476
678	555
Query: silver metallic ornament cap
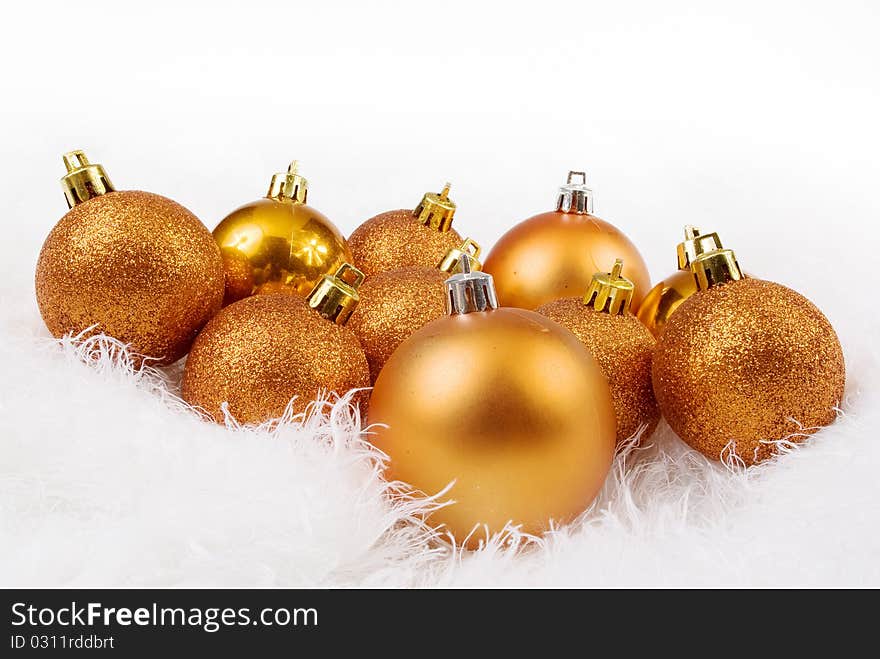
575	197
467	292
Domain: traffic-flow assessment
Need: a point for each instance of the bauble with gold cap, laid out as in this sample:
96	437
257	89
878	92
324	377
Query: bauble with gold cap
603	321
407	238
279	244
265	352
134	265
746	368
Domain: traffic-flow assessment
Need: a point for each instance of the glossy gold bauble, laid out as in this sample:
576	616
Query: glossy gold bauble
551	255
507	404
747	362
278	244
134	265
663	300
406	238
623	348
259	353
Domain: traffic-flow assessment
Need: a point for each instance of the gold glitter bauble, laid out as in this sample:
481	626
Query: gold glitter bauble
393	305
748	361
140	267
278	244
506	403
663	300
623	348
396	240
259	353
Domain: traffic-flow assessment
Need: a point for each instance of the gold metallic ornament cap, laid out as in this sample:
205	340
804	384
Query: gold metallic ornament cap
575	197
468	291
451	263
84	180
695	244
716	267
289	185
335	296
436	210
610	292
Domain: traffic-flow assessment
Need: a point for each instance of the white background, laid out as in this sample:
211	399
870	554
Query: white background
758	120
755	119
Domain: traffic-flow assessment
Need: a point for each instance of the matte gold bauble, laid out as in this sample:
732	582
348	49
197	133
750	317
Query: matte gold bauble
503	402
602	320
136	266
406	238
744	362
396	303
662	300
278	244
259	353
551	255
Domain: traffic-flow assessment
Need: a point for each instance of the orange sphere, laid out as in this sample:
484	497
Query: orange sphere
392	306
507	404
260	352
278	246
623	348
137	266
396	239
746	363
662	300
551	255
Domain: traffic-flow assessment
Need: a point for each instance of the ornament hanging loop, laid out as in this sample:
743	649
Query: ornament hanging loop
575	197
468	291
436	210
335	296
84	180
289	185
610	292
451	263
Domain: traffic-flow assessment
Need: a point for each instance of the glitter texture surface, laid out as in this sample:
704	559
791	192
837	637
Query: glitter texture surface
623	348
141	267
751	362
393	305
396	240
259	353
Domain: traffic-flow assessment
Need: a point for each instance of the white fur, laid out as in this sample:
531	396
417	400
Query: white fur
107	478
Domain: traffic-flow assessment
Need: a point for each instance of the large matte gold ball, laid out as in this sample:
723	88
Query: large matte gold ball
392	306
748	362
551	255
395	239
506	403
662	300
139	267
259	353
623	347
278	246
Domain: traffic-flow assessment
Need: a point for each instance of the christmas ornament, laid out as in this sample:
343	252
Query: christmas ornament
504	402
260	352
744	362
551	255
136	266
662	300
278	244
602	320
405	238
396	303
